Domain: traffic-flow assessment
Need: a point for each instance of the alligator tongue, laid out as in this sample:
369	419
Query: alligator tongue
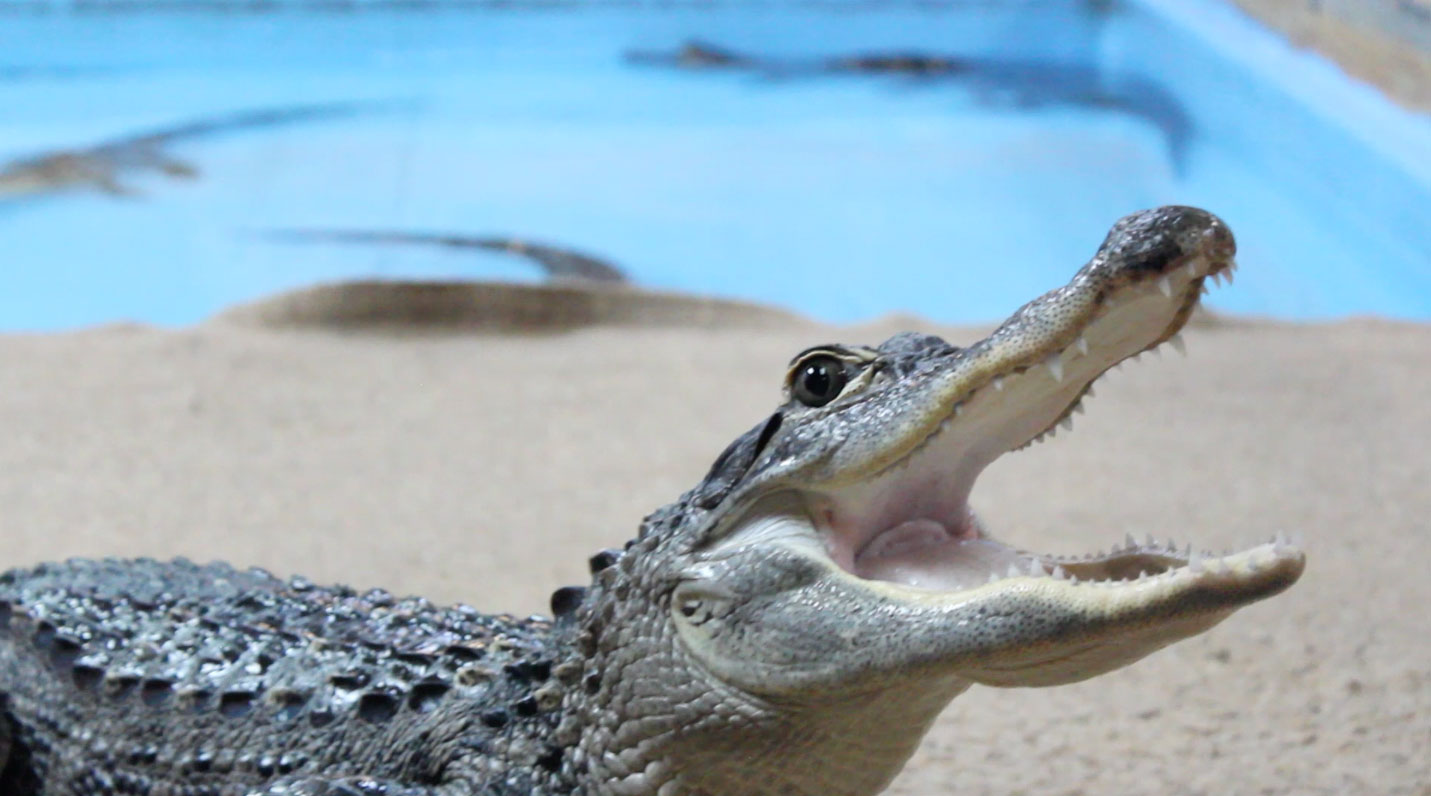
923	554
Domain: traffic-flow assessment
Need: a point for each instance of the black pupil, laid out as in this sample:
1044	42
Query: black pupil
817	379
820	382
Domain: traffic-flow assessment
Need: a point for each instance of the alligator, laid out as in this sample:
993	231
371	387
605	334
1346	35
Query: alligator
993	81
791	625
100	166
693	54
908	63
698	54
559	264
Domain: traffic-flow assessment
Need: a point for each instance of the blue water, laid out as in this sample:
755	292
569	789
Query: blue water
840	196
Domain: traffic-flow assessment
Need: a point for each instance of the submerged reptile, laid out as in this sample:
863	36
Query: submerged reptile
792	625
100	166
993	81
559	264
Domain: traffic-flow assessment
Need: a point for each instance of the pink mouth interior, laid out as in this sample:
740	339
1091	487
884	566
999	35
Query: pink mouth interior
911	524
916	529
943	553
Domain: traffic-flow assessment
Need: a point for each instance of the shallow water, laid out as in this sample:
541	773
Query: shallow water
842	196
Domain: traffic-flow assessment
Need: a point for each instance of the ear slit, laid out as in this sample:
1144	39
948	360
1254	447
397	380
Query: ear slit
733	463
771	426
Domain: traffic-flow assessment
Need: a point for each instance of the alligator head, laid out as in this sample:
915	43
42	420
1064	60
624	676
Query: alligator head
795	623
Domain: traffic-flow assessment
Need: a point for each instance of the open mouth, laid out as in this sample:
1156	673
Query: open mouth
911	525
860	504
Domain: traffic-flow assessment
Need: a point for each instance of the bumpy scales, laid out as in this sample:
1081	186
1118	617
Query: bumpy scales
790	626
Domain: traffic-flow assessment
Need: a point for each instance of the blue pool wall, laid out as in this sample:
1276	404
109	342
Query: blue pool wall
1280	134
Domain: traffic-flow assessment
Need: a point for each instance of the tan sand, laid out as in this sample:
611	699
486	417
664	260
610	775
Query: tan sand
1362	38
485	469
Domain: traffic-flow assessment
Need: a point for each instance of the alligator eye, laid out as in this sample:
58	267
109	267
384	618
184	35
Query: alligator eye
818	380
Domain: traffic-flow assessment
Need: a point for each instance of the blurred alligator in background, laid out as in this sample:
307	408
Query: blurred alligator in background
694	54
100	166
560	264
997	82
697	54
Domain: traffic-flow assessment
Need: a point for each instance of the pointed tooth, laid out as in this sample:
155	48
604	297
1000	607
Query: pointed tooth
1014	569
1078	407
1059	573
1172	546
1088	393
1192	268
1152	544
1205	290
1072	578
1176	341
1055	366
1165	286
1082	345
1157	351
958	410
1142	573
993	577
1066	423
1228	275
1129	542
1036	568
998	383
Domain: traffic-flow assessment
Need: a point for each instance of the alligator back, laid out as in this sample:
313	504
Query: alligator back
130	677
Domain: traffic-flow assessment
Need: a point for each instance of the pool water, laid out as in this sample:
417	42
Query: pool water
841	196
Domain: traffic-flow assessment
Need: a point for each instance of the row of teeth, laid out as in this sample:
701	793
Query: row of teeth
1054	362
1165	284
1197	561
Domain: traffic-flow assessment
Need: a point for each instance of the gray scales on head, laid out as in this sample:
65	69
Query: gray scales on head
827	576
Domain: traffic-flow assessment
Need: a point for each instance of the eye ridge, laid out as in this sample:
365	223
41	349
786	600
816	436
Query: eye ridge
819	379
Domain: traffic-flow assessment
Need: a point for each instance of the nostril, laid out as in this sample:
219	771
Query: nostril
1217	241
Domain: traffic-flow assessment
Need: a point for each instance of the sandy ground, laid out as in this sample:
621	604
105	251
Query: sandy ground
486	469
1358	42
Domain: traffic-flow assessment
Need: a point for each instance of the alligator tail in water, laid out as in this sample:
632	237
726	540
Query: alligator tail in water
100	166
559	264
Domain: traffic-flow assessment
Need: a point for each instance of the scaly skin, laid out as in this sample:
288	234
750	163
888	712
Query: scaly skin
792	625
